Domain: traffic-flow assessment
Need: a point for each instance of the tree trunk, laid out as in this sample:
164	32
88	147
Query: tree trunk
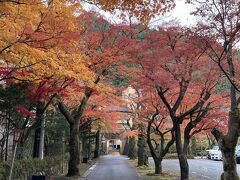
229	166
158	154
2	142
97	144
37	136
227	145
46	144
228	142
142	150
6	142
74	150
126	147
182	156
132	154
74	119
183	166
158	166
37	140
157	160
84	146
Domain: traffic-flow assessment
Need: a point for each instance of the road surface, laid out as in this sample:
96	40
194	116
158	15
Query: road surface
200	169
112	167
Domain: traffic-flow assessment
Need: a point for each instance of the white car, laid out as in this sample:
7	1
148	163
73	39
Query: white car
214	153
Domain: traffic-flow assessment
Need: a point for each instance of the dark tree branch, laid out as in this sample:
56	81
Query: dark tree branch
65	112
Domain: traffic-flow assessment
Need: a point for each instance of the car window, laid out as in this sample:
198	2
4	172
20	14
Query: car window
215	148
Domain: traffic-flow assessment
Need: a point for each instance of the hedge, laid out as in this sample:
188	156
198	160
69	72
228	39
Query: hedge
25	168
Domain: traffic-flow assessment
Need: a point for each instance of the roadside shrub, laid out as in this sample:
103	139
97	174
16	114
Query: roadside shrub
27	167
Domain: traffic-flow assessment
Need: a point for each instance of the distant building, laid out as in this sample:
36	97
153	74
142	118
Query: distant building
113	142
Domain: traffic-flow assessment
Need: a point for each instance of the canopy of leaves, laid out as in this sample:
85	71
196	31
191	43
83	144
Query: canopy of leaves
142	9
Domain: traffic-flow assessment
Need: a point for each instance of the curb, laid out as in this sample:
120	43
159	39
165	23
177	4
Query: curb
84	176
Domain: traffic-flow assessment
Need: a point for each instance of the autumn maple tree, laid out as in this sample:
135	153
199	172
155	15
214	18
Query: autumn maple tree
45	43
176	65
140	9
103	49
40	47
53	53
220	29
33	32
159	132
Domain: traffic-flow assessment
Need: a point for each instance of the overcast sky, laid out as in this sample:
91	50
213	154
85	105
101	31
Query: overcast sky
182	12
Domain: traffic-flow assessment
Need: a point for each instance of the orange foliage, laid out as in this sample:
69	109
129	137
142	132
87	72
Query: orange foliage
175	68
131	133
142	9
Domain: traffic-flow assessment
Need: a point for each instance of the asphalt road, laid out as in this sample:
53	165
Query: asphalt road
200	169
112	167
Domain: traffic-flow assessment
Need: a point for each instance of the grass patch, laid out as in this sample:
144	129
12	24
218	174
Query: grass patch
175	156
147	172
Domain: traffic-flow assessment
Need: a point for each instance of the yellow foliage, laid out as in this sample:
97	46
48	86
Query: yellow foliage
32	38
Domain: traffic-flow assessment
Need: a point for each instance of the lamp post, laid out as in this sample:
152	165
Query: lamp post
16	138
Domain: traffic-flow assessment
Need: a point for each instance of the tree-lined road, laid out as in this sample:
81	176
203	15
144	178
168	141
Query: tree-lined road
112	167
200	169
